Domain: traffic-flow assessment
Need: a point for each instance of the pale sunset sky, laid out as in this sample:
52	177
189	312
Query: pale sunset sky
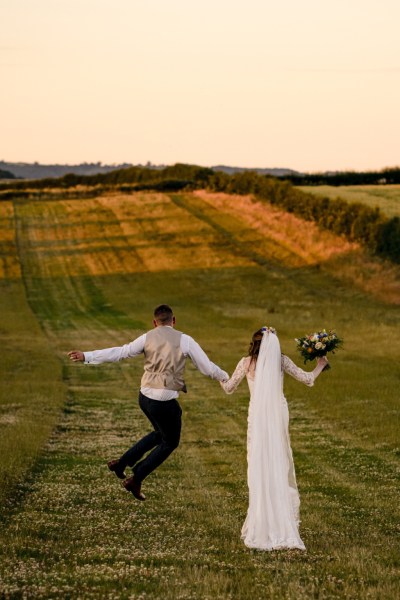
309	85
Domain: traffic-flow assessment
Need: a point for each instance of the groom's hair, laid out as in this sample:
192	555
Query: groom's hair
163	314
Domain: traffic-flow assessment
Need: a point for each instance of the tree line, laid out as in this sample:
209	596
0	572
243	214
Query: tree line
356	221
385	176
4	174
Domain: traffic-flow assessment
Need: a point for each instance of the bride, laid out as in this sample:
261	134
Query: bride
273	515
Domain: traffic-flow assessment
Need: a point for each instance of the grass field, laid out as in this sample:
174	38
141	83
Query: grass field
386	197
86	274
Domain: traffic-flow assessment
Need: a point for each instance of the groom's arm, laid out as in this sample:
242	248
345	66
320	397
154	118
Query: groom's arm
96	357
200	359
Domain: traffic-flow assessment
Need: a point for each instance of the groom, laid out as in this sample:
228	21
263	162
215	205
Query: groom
165	351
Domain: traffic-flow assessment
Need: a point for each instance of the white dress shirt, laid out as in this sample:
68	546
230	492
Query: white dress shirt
189	347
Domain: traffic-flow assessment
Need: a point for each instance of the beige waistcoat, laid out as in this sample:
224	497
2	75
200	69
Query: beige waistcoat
164	363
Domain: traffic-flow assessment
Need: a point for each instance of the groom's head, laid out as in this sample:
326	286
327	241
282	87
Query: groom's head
163	315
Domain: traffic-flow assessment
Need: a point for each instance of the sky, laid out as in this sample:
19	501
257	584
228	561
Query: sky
309	85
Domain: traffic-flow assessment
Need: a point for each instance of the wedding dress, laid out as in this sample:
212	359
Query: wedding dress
273	514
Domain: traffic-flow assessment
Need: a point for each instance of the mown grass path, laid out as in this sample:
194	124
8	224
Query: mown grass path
75	533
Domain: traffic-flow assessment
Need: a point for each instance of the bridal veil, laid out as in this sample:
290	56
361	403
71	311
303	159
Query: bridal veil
273	514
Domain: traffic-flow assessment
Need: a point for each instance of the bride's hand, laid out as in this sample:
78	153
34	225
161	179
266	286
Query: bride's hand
322	360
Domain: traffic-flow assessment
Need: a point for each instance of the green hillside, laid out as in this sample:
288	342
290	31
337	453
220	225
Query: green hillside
86	273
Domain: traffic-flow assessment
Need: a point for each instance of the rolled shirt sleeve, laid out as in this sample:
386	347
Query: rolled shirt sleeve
200	359
189	348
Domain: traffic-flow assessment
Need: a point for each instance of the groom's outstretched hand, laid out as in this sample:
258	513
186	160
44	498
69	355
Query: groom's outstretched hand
76	356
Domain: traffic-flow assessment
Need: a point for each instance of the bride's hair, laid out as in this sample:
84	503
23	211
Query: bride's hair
255	344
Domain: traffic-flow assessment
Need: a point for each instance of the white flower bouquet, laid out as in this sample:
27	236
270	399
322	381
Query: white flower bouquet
318	344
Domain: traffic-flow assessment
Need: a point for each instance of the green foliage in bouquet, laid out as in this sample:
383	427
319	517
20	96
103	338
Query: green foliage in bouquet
318	344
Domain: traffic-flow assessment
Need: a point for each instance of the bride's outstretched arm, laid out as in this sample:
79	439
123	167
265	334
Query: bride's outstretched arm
230	386
307	377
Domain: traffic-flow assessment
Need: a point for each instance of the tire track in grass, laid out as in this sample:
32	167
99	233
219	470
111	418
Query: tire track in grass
200	210
32	391
60	292
230	234
72	517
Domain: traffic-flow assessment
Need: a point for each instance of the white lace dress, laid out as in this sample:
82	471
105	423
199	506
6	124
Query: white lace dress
264	539
245	369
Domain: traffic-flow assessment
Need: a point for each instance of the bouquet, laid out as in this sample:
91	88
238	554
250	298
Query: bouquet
318	344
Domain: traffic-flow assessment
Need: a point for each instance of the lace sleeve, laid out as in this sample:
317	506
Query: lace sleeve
303	376
230	386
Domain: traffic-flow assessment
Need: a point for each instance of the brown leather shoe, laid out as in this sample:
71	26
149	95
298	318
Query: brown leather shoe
131	485
116	468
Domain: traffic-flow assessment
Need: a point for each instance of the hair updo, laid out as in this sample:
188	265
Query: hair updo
255	344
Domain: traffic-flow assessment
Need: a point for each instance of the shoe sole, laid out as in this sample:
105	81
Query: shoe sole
119	475
142	497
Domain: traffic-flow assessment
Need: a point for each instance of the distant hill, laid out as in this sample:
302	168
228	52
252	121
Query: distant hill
274	172
9	170
39	171
6	174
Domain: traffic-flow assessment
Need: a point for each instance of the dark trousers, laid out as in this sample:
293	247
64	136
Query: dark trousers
165	416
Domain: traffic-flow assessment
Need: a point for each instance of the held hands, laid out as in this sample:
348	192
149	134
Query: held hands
76	356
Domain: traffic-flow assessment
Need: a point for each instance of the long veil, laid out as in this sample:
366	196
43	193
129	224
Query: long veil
273	514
